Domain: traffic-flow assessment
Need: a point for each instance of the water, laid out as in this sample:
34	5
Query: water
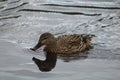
22	22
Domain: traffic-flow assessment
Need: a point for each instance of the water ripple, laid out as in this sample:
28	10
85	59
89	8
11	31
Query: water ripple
67	13
1	7
78	6
16	6
2	0
9	17
14	2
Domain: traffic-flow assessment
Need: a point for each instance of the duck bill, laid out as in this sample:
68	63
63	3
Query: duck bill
36	47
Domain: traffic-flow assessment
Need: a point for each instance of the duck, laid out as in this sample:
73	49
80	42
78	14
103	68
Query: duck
64	44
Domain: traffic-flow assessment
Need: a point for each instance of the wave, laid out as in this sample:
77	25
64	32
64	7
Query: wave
78	6
61	12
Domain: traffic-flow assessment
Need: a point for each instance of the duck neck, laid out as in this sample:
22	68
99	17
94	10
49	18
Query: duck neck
51	57
51	47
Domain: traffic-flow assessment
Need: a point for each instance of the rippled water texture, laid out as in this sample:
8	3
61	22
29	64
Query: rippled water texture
23	21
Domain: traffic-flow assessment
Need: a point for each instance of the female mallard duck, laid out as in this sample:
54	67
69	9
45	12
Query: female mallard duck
65	44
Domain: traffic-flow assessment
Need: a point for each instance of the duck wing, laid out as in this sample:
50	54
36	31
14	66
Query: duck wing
72	40
73	43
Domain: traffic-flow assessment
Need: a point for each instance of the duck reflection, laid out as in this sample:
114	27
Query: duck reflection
48	64
51	59
73	57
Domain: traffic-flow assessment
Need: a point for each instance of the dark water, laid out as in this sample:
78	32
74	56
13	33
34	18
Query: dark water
22	21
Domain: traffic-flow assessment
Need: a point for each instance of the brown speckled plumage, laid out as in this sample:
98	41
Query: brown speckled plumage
65	44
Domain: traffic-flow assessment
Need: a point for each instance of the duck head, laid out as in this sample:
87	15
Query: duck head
45	39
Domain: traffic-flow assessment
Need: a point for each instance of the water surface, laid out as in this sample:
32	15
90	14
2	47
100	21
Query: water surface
23	21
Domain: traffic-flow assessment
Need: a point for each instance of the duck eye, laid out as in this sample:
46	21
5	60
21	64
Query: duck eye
44	38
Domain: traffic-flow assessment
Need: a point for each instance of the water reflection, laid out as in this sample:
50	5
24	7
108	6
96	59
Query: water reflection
71	57
48	64
51	59
94	53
